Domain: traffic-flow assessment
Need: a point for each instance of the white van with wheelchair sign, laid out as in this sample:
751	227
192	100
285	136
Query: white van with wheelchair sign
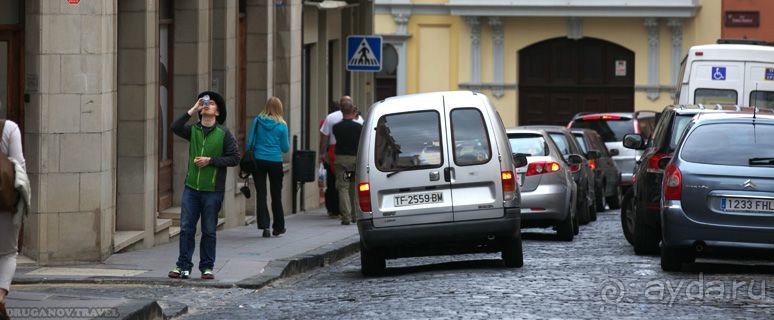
728	74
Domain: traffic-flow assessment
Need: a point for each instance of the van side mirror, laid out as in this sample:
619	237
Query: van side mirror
574	159
519	159
593	155
663	162
634	141
614	152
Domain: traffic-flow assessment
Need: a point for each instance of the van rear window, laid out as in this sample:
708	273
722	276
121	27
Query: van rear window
715	96
763	99
471	137
610	130
408	141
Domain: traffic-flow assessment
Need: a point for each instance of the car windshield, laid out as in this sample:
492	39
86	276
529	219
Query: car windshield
531	144
733	144
678	128
611	130
561	143
581	142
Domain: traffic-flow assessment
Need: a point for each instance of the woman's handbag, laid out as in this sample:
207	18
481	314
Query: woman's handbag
247	164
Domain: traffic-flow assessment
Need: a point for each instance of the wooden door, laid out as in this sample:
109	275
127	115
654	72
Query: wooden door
165	114
11	79
561	77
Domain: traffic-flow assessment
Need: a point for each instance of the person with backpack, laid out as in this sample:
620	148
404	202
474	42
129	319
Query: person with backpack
211	150
14	201
269	140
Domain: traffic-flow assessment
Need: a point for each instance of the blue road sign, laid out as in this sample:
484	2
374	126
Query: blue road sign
364	53
769	73
719	73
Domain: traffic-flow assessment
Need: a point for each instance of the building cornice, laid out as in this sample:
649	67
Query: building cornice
567	8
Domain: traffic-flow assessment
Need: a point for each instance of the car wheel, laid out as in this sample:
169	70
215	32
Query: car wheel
646	239
584	216
672	259
575	224
599	202
565	229
614	201
372	263
513	255
627	218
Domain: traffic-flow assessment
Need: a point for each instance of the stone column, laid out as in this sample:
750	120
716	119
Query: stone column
498	57
475	49
71	130
676	24
287	75
651	24
401	20
575	28
225	18
138	102
193	64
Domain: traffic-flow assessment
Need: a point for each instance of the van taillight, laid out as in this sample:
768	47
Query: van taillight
364	196
673	183
509	182
542	167
653	162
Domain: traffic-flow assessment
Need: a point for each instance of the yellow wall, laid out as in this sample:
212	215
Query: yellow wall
432	36
438	52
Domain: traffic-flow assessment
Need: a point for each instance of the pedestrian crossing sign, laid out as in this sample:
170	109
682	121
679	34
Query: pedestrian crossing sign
364	53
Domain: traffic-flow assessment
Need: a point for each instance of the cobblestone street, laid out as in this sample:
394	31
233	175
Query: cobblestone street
596	276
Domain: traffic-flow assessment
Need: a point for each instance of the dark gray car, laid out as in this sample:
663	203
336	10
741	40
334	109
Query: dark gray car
718	189
607	178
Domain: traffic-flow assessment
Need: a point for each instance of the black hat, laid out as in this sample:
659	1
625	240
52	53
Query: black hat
214	96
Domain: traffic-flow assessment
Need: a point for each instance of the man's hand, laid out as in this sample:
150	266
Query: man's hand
196	108
202	162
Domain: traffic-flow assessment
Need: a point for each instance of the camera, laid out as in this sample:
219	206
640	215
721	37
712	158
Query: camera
245	190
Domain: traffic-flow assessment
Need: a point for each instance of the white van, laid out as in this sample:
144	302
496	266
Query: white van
728	74
436	175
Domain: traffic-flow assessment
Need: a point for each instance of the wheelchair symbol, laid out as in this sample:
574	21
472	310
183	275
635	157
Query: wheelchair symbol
718	73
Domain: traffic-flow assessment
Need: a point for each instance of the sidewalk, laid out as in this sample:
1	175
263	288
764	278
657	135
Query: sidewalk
244	258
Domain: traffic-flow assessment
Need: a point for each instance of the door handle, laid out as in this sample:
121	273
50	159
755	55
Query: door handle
448	174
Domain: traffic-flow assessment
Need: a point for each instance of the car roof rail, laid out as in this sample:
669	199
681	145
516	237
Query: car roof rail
701	106
718	107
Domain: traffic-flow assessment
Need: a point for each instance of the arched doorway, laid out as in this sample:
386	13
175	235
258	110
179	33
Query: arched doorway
561	77
387	79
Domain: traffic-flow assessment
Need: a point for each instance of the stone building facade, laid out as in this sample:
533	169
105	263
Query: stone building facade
95	86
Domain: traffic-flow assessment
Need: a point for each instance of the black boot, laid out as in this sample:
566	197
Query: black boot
266	233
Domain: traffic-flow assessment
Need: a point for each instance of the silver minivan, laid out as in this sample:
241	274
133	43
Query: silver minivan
435	176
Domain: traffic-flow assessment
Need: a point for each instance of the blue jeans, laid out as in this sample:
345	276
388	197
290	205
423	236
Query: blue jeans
195	204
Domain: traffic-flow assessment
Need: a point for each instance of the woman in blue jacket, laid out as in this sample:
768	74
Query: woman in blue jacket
269	138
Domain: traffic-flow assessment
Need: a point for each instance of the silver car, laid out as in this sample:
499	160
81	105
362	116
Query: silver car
548	191
718	189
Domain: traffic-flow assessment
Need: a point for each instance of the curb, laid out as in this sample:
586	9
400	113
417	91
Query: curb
285	268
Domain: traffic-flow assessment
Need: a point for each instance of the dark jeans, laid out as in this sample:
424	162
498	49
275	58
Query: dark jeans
274	171
331	194
196	204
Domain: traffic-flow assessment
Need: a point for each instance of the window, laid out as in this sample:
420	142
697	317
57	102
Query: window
715	96
732	144
408	141
561	143
763	99
678	128
581	142
531	144
610	130
470	137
